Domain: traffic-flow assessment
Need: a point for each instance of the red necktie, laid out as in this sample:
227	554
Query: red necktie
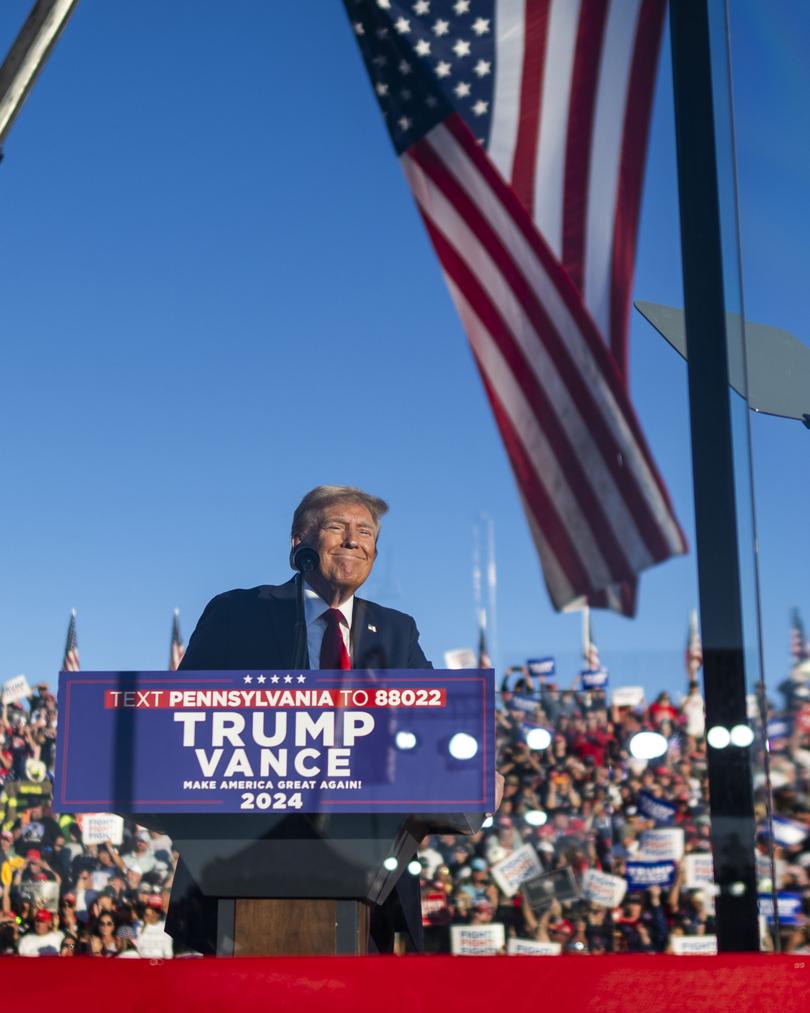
333	650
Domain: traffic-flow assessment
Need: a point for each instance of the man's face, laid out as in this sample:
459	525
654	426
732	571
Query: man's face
345	536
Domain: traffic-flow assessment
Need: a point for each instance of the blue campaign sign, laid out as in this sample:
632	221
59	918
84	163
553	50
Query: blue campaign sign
788	907
314	741
522	702
543	668
640	874
593	678
657	809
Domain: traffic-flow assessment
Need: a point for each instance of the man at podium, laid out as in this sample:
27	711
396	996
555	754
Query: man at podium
255	629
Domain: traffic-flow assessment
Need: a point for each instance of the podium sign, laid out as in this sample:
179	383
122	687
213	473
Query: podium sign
287	741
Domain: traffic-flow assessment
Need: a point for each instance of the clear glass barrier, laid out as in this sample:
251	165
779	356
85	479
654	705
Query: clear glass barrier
770	88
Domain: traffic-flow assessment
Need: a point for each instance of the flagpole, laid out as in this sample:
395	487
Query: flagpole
586	634
492	582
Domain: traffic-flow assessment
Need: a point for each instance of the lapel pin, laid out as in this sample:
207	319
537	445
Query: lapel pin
372	628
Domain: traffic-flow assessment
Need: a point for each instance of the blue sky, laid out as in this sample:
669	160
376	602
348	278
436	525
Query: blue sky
218	294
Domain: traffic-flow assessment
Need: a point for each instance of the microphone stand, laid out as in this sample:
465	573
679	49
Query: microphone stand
300	656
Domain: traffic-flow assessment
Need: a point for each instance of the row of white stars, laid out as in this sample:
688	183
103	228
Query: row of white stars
423	6
441	27
261	679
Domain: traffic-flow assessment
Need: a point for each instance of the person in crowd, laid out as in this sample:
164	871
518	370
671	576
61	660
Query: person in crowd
43	940
153	941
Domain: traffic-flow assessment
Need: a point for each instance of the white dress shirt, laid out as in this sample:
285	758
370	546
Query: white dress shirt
314	608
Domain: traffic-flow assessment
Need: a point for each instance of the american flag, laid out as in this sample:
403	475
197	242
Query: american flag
799	646
521	126
590	652
177	648
694	647
484	660
70	661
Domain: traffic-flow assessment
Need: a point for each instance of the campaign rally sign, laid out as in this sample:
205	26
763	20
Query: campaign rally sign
657	809
541	668
693	946
640	874
787	832
516	868
434	908
314	741
533	948
698	870
593	678
97	828
602	888
15	689
477	940
627	696
788	906
664	845
778	732
460	657
522	702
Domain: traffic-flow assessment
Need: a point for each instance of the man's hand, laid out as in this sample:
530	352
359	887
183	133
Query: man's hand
499	783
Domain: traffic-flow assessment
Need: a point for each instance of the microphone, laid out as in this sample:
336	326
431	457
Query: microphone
304	558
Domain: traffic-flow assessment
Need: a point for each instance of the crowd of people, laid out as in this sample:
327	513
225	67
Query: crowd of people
586	803
582	803
61	894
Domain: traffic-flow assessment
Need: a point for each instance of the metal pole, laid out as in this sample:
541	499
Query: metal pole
27	56
716	521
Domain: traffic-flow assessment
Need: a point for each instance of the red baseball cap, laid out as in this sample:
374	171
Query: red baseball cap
43	916
34	855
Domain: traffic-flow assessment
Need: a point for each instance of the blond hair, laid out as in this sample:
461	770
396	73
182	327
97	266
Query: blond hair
325	495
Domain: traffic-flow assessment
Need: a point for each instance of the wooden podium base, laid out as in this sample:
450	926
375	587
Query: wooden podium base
258	927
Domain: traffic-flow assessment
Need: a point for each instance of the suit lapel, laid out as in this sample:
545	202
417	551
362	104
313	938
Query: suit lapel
367	637
281	600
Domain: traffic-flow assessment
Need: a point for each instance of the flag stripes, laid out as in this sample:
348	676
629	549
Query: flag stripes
70	658
572	99
573	442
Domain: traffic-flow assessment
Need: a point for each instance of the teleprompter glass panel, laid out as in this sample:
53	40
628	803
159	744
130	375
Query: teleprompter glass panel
771	162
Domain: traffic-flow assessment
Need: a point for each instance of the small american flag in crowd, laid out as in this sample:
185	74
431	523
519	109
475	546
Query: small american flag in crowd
694	647
70	661
484	659
177	649
799	646
521	126
592	657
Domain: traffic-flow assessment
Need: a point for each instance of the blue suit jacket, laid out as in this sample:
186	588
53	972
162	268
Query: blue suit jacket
254	628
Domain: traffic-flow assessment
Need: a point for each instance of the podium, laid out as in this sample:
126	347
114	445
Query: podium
301	885
295	808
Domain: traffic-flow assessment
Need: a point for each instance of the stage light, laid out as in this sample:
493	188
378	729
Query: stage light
648	745
415	868
535	817
538	738
405	740
487	823
463	746
718	737
390	863
742	736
